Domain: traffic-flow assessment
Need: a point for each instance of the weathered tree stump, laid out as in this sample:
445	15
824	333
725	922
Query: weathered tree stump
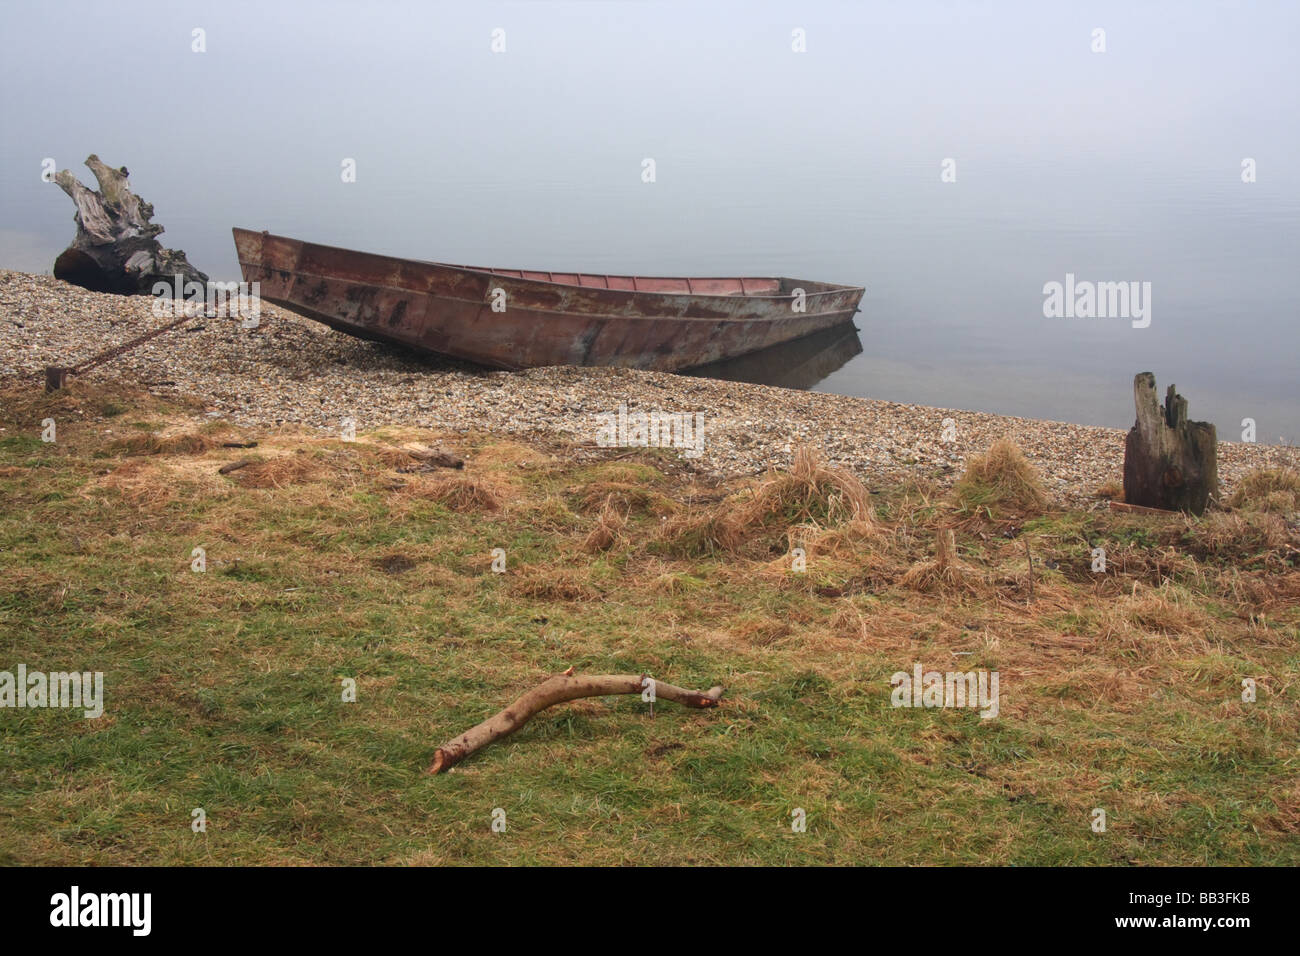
115	249
56	378
1169	462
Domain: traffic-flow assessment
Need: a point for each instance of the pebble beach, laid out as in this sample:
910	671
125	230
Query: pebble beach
291	371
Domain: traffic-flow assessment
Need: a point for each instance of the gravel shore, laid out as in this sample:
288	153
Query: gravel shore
290	370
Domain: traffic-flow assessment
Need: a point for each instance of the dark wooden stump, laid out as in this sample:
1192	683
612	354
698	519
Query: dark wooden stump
116	249
55	378
1169	462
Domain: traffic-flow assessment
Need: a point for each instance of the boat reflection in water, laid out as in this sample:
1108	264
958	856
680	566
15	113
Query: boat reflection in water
800	363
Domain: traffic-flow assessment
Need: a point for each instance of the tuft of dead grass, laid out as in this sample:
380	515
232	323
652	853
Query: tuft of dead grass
461	494
1151	565
1110	491
179	443
140	483
279	472
699	533
675	583
1268	489
629	497
608	531
754	629
386	456
810	494
946	572
1256	591
811	491
1245	538
840	541
1003	477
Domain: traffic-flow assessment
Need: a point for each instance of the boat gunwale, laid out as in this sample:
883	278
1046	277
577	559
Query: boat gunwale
335	321
834	290
581	314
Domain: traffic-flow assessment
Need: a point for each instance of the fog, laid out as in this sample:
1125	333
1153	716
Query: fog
827	164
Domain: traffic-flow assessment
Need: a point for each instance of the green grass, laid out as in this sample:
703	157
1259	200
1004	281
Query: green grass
224	689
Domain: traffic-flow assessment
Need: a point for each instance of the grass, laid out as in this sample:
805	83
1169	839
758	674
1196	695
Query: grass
224	689
1269	489
1001	478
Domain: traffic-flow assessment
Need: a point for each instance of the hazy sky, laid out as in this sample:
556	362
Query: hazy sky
1122	165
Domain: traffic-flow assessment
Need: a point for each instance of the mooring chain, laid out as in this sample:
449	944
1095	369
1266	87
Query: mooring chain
109	354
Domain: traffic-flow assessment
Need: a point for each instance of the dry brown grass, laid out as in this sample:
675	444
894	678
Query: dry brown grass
1111	491
179	443
505	456
849	620
810	494
946	572
280	472
140	483
552	584
462	494
1150	565
1245	538
626	472
699	532
28	403
1164	610
1268	489
758	630
386	456
838	542
1002	477
630	497
608	531
810	491
672	583
1285	817
1257	591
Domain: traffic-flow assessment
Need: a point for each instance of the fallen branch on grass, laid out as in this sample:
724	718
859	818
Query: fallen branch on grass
557	690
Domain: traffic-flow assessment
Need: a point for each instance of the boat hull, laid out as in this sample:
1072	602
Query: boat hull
542	318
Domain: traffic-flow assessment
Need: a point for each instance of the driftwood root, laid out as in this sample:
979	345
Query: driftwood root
116	247
563	687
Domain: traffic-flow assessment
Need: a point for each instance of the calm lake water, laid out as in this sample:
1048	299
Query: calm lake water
1115	166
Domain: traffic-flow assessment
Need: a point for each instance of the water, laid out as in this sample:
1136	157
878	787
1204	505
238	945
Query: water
1124	165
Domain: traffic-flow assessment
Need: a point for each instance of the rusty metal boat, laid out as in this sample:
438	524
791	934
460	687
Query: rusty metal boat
513	318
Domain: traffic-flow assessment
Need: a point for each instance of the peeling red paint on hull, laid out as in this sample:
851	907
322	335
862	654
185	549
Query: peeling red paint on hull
549	319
